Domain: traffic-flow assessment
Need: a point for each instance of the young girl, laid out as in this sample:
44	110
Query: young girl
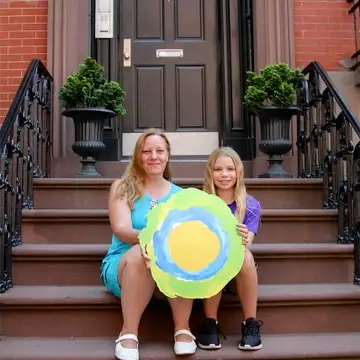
224	176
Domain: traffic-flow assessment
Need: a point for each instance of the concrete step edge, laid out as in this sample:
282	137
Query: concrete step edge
294	250
94	296
297	346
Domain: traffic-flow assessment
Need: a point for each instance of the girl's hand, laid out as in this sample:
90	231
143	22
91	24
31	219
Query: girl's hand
146	256
243	231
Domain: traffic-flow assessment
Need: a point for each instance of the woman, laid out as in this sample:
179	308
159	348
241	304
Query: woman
224	176
124	270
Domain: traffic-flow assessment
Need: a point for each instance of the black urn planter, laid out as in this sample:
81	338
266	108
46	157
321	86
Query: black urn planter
89	133
275	137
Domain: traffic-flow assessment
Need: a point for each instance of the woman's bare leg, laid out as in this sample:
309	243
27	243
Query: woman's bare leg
137	288
181	311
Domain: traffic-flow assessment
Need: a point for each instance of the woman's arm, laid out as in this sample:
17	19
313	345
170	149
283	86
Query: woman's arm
120	218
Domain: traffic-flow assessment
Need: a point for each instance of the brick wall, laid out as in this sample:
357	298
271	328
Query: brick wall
324	31
23	36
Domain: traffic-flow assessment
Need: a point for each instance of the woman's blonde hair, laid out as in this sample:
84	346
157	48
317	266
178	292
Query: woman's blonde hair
240	189
131	183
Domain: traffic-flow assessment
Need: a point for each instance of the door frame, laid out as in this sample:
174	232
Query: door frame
108	53
236	58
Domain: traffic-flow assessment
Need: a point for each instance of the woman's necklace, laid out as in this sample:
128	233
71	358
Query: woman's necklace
154	198
153	201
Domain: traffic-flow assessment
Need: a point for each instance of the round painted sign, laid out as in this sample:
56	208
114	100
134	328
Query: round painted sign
193	245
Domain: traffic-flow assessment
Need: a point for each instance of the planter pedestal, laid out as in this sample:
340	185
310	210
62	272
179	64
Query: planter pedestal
275	138
89	133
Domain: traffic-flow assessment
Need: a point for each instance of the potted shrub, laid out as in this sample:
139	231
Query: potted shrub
271	96
89	99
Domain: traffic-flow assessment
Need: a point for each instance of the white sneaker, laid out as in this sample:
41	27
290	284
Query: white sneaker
122	353
182	347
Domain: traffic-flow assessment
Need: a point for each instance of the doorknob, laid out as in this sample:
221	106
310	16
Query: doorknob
127	52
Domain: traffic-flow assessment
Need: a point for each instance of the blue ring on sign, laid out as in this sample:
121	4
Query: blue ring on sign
163	258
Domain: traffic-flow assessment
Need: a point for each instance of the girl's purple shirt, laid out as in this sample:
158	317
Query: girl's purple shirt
252	213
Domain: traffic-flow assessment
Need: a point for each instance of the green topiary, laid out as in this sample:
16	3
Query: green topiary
276	85
89	88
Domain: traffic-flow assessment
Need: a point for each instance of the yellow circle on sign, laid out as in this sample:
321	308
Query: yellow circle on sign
193	246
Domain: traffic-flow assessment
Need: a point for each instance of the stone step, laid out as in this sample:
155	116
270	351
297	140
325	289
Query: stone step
92	226
44	264
74	193
285	347
86	311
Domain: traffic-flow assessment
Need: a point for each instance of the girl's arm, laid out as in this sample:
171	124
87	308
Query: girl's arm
251	222
248	236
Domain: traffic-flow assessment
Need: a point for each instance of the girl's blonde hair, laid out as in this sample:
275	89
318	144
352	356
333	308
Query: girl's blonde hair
240	189
131	183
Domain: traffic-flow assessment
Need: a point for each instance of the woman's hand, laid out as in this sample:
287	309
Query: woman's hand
243	231
146	256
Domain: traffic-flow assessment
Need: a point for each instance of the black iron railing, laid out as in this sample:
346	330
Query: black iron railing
25	144
329	148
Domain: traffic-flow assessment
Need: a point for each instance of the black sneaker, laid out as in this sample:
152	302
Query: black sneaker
251	339
209	337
